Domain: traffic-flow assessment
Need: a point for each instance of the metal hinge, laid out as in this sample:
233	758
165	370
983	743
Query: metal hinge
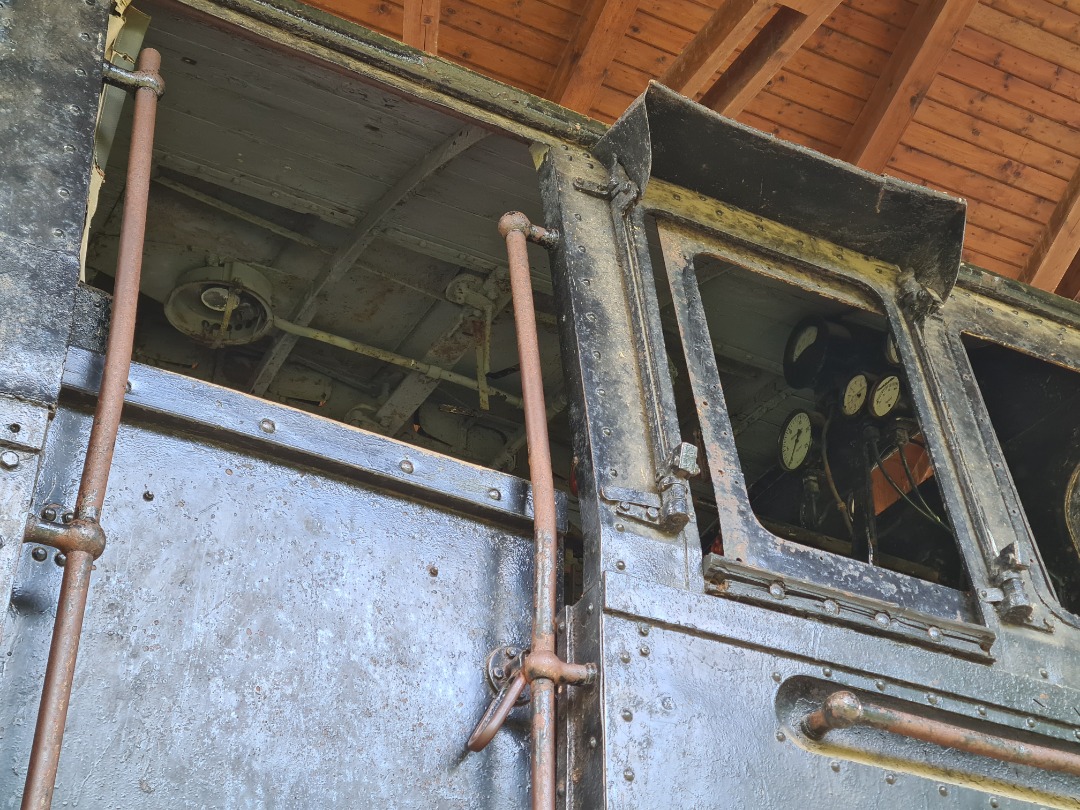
669	507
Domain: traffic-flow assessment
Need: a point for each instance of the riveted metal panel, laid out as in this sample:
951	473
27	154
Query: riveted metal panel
265	634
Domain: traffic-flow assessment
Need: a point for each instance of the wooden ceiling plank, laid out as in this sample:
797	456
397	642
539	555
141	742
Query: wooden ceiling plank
420	28
710	48
762	59
904	82
1059	243
580	72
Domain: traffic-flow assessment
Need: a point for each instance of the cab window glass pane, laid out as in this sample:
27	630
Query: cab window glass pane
1034	407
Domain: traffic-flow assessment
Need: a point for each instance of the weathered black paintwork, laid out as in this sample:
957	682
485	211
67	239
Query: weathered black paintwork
295	613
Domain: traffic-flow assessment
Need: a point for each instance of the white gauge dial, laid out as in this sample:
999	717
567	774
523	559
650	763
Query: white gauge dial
853	397
885	396
804	341
796	437
892	354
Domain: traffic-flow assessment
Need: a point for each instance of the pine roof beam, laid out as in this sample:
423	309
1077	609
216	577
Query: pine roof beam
1058	244
777	41
706	53
421	27
580	73
904	82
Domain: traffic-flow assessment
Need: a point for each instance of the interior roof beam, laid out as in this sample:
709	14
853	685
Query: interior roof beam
363	234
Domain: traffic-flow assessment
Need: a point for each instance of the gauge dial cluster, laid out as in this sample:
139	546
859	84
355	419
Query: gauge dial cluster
854	373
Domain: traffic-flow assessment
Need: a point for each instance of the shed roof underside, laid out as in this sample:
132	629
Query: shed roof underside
977	99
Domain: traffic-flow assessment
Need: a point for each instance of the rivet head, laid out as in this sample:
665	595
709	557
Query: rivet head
883	619
628	774
627	715
589	608
9	459
931	698
890	778
982	711
643	629
780	736
827	672
39	554
433	570
60	558
831	607
776	590
835	766
652	512
776	676
49	513
1043	673
668	704
1076	733
593	743
148	495
624	656
880	685
405	466
994	802
620	565
58	233
67	517
494	494
267	425
944	791
934	633
1031	722
644	650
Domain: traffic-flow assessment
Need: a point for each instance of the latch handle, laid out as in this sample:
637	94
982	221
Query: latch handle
505	700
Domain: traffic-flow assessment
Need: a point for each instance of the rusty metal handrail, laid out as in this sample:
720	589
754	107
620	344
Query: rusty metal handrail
542	667
844	709
82	540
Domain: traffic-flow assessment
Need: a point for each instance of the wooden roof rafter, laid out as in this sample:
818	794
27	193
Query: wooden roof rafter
706	53
777	41
421	25
903	84
580	72
1054	261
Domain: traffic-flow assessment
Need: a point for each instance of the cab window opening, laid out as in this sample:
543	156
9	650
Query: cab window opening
1033	407
826	433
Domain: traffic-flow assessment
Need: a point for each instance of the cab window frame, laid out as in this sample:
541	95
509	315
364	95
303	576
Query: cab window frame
746	541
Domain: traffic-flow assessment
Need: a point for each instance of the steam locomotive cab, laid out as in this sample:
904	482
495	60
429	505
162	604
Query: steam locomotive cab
775	504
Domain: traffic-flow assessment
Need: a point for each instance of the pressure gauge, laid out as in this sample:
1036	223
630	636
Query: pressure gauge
885	396
892	354
853	395
796	439
804	354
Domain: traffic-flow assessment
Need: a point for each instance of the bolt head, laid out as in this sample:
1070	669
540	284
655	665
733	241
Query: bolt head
9	459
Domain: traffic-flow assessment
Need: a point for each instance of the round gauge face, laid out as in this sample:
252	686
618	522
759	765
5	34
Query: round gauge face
892	354
853	397
885	396
796	437
803	340
1072	507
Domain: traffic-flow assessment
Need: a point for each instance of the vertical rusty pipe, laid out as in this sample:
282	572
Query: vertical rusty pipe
517	230
56	693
